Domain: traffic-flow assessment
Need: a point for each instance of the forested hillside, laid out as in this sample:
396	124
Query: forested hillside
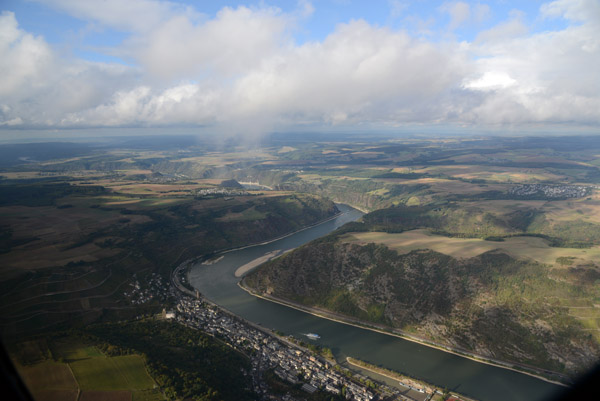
495	299
492	304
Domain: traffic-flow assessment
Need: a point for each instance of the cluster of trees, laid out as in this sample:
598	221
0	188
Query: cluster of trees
454	221
44	194
185	363
569	234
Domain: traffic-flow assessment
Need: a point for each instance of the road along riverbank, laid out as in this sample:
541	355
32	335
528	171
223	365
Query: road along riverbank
325	314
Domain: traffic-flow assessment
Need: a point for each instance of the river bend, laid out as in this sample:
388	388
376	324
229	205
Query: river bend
218	283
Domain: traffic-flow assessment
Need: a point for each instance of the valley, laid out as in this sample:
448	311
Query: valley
487	247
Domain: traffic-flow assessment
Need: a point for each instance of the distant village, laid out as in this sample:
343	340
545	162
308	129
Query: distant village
219	191
141	293
550	191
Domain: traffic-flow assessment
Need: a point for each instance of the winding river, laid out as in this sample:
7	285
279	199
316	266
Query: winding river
218	283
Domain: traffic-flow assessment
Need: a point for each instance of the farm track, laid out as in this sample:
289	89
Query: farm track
71	291
76	310
46	308
49	294
18	288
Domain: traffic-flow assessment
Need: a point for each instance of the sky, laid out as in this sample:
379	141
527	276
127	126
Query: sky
232	67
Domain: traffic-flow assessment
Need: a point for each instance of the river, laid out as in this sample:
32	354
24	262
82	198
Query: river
218	283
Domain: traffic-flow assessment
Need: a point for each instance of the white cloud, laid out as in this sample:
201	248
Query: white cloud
305	8
14	122
242	70
359	73
37	87
459	13
491	80
481	12
547	77
574	10
182	104
504	31
397	8
129	15
23	56
236	40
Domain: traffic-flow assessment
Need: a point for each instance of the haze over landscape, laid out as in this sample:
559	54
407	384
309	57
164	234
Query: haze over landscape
294	200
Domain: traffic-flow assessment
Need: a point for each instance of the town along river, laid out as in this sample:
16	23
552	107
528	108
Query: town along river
218	283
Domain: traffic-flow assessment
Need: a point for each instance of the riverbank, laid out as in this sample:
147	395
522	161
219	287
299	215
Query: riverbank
362	209
335	216
216	256
212	261
530	371
256	262
405	381
258	327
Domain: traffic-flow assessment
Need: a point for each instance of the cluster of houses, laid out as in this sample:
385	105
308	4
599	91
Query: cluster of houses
290	362
551	191
140	294
219	191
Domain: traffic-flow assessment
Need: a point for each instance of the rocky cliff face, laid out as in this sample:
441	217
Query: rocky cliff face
491	304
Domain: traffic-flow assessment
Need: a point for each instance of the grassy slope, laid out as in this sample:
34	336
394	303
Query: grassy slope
49	380
535	248
125	372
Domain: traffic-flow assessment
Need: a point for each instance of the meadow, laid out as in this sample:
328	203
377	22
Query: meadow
79	371
49	380
126	372
524	247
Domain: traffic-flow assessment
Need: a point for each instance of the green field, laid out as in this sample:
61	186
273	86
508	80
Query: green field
70	352
112	373
519	247
148	395
118	395
250	214
49	381
84	368
48	375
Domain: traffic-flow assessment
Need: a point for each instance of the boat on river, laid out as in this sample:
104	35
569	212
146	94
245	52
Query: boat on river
313	336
